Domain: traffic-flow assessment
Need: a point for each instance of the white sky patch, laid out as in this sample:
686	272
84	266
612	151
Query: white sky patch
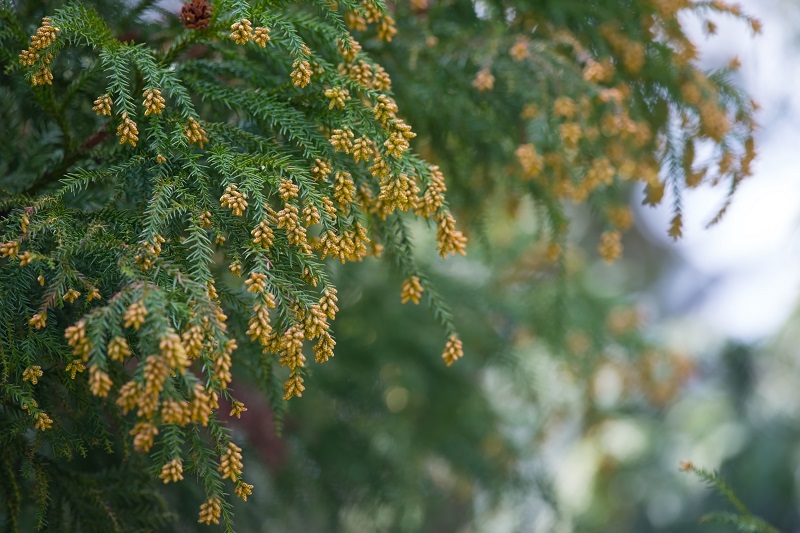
751	260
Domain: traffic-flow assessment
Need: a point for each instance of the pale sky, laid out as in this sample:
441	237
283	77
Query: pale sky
748	267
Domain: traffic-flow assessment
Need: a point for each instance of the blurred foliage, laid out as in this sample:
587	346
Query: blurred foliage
715	421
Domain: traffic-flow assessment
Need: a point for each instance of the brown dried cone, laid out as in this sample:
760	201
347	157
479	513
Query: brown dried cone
196	15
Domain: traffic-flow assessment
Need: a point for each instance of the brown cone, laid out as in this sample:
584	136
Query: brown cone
196	15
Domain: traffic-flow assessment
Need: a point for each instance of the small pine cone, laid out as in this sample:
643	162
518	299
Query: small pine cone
237	408
135	315
71	295
143	435
210	511
128	396
371	12
118	349
74	367
32	374
222	364
42	77
323	350
155	374
9	249
201	405
363	148
196	15
412	290
381	81
175	412
43	422
241	31
195	133
288	190
311	215
386	29
256	282
403	128
153	102
76	338
327	205
45	35
301	75
39	320
342	139
234	200
212	290
243	490
230	464
173	351
293	386
355	21
328	302
261	36
263	235
337	96
385	109
127	131
349	51
99	381
193	341
172	471
344	189
28	57
315	322
396	144
449	239
453	350
148	405
205	219
321	168
288	217
260	328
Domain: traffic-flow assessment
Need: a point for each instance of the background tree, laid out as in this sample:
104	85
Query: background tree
251	151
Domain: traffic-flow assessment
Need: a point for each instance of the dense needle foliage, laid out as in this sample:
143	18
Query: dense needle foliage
160	174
